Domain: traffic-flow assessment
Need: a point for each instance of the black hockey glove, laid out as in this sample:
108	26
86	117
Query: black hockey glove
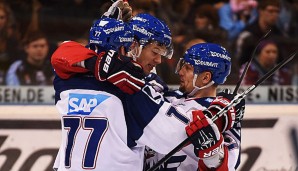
208	140
120	70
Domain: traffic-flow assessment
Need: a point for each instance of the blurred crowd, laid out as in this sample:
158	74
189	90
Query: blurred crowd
30	30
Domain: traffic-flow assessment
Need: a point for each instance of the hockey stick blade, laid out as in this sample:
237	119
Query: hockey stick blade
235	101
249	62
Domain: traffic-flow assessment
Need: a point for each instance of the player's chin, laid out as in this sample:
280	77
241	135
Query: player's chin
182	88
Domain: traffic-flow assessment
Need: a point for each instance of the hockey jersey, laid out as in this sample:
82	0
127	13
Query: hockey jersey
185	159
105	129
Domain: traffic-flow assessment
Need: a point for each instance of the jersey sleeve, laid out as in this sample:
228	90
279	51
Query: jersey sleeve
66	55
154	122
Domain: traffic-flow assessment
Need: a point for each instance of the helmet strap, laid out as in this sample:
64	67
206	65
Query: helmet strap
135	53
196	88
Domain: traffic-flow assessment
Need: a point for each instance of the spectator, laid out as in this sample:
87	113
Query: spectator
234	16
266	59
207	25
268	11
287	21
9	42
35	68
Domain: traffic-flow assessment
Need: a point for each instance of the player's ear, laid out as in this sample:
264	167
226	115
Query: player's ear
207	77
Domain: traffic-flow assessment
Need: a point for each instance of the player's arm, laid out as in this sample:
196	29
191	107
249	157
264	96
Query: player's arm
72	58
66	57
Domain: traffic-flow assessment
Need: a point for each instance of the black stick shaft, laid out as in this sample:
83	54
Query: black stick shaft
248	64
236	99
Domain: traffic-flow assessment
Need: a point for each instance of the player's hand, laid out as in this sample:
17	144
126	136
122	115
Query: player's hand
126	12
120	70
115	10
208	141
119	10
156	82
239	108
227	120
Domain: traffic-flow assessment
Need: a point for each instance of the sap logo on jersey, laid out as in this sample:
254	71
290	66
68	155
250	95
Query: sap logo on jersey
83	104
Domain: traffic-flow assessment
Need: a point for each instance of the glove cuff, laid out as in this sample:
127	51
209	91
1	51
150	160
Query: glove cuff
227	120
215	149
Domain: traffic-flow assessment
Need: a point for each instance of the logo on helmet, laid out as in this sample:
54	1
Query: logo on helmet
142	30
206	63
167	36
140	19
125	39
216	54
96	42
114	29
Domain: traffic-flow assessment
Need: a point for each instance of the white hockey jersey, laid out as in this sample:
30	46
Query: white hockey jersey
104	129
185	159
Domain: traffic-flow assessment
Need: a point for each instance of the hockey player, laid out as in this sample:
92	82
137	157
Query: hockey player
137	123
203	67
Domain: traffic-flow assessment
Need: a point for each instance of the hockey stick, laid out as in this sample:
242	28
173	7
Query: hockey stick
235	101
248	63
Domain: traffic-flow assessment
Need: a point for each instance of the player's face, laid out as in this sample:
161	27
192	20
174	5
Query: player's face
150	57
186	78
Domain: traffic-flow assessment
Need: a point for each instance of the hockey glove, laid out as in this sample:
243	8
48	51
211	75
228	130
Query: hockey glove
208	141
119	10
239	108
115	10
120	70
157	83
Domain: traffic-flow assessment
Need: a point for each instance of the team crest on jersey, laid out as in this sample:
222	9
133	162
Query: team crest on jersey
83	104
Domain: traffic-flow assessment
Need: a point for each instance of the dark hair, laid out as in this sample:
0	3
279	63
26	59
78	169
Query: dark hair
265	43
33	36
210	12
262	4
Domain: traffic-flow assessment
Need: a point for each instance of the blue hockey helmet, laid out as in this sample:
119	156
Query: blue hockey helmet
208	57
110	33
149	29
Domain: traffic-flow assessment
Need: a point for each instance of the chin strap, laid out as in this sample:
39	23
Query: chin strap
135	53
196	88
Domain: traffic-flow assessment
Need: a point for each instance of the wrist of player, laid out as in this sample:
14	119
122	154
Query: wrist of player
214	162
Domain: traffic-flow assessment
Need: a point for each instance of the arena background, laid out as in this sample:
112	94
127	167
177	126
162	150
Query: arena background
30	129
30	124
